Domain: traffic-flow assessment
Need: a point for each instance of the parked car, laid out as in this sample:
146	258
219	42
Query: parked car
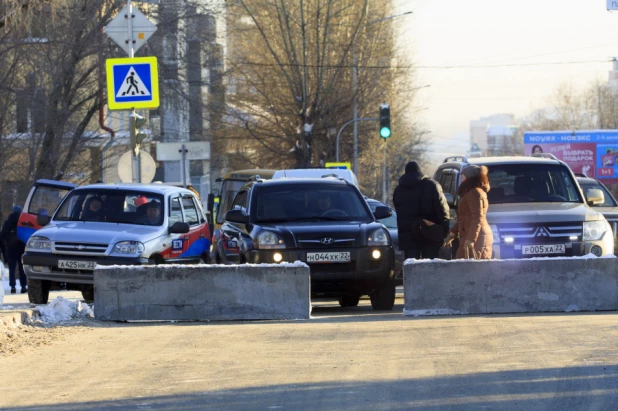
609	206
391	225
124	224
536	207
324	222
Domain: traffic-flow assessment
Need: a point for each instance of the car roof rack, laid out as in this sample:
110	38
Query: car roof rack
544	155
463	159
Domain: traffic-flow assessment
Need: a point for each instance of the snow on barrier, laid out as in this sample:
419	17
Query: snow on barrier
202	292
535	285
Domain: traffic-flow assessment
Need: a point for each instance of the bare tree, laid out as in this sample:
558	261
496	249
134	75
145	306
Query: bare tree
291	65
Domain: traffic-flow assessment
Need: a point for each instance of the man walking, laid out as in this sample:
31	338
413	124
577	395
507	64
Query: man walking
15	249
422	214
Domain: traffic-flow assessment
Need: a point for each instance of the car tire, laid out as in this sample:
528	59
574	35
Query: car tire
349	300
156	260
88	295
204	259
383	298
38	291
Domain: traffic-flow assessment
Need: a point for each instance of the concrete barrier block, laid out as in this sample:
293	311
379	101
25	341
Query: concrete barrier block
562	284
202	292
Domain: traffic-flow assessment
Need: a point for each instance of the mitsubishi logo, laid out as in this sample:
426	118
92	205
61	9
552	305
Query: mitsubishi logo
327	240
541	232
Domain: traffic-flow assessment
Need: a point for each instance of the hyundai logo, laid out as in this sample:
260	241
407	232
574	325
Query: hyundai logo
80	247
541	232
327	240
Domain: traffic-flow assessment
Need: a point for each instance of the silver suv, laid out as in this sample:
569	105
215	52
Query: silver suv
536	207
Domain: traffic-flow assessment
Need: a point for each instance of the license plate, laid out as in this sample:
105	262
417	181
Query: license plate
543	249
332	257
77	265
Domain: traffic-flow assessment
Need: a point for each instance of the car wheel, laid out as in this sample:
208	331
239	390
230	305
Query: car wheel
384	297
88	295
204	259
156	260
349	300
38	291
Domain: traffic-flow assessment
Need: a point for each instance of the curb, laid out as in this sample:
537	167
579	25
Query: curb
17	318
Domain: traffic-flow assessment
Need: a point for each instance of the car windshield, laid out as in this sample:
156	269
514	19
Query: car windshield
531	183
309	202
389	222
117	206
608	202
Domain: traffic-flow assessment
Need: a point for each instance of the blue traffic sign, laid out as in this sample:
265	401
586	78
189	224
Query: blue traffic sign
132	83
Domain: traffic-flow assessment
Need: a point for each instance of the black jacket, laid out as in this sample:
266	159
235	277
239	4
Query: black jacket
11	224
418	197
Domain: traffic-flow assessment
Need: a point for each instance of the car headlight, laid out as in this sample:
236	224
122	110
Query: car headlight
378	237
496	233
269	240
128	248
594	230
38	243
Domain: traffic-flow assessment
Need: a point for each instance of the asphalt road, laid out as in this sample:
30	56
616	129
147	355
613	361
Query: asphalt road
352	359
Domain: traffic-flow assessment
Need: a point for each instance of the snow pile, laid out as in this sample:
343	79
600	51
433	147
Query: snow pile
62	309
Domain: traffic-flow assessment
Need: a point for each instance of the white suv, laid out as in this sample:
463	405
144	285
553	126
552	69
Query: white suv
536	207
126	224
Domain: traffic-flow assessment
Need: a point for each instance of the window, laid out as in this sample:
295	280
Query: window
45	200
191	214
310	201
531	183
175	211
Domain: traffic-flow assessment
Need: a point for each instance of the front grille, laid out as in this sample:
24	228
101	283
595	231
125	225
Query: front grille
540	233
319	243
80	248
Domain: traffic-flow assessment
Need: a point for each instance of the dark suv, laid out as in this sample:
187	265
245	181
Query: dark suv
324	222
536	207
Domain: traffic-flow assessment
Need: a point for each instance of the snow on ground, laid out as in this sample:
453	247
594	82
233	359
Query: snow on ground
61	310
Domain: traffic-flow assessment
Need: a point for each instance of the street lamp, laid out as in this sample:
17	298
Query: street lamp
355	86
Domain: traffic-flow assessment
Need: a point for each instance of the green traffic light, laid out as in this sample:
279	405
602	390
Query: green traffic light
385	132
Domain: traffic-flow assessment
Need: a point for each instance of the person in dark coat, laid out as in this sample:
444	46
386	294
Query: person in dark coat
416	198
15	249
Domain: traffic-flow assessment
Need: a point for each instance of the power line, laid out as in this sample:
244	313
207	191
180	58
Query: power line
447	67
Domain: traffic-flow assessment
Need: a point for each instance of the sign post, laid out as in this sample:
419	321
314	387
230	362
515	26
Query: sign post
139	86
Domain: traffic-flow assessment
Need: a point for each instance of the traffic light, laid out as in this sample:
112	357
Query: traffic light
135	123
385	121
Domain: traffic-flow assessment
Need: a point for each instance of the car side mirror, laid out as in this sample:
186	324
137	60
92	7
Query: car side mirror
237	216
450	200
382	212
179	228
42	220
594	196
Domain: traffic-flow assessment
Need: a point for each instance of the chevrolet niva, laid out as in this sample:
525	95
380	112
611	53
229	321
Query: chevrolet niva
126	224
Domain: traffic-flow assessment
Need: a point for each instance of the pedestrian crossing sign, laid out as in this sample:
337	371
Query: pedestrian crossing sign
132	83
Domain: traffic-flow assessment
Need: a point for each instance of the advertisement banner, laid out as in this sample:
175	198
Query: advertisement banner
593	153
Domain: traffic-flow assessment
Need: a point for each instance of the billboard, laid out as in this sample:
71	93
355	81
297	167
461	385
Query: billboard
593	153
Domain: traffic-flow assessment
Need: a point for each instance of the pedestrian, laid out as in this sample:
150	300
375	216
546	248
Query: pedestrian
15	249
476	237
422	213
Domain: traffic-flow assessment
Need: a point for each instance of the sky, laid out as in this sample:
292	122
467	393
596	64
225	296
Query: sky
528	43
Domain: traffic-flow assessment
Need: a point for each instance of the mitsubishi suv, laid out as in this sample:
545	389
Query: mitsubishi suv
536	207
323	222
